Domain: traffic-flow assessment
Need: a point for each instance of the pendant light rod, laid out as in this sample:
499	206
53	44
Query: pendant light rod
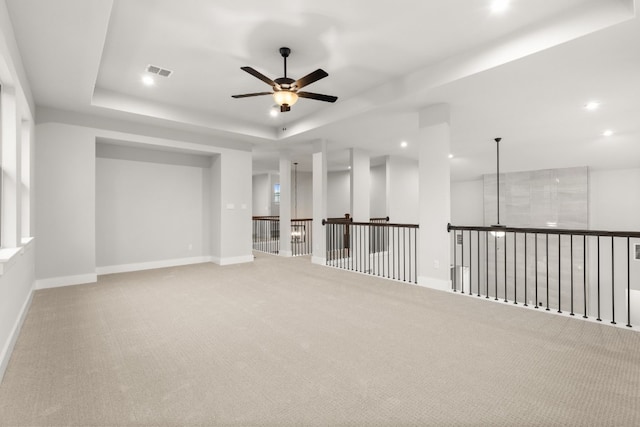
497	140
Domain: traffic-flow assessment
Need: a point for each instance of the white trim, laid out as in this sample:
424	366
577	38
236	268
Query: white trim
432	283
57	282
8	256
232	260
318	260
124	268
287	254
13	337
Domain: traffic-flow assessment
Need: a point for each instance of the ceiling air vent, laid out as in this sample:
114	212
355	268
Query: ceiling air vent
159	71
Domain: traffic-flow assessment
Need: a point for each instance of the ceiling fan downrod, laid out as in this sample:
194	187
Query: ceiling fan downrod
285	51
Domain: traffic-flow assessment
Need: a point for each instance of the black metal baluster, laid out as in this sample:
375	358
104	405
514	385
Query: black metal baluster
378	250
462	264
628	284
559	274
515	263
571	255
397	252
495	259
478	248
584	274
613	284
404	255
362	266
389	247
486	263
470	262
327	243
536	264
409	246
455	261
547	262
526	273
415	254
505	266
599	319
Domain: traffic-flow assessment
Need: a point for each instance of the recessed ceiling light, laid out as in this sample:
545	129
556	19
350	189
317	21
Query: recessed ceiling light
607	132
148	81
451	156
593	105
273	112
499	6
403	144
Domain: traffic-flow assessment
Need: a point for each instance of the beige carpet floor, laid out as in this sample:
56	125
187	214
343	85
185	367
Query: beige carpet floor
284	342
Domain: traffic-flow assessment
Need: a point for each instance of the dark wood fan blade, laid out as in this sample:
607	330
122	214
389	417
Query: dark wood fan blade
318	96
246	95
310	78
259	75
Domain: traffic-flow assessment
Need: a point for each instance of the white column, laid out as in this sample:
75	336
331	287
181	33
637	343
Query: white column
319	203
360	185
11	165
402	177
434	190
231	206
285	205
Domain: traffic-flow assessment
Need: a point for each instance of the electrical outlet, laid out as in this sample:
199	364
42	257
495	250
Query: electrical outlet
190	246
436	264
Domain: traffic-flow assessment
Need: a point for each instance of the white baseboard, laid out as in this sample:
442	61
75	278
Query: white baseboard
124	268
57	282
13	337
318	260
432	283
232	260
287	254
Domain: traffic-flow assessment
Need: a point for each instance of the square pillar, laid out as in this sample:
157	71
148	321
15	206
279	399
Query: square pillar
285	206
319	203
360	185
435	198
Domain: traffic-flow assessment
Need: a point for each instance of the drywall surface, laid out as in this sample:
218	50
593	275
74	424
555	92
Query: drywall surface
467	202
65	201
338	194
261	190
378	197
148	212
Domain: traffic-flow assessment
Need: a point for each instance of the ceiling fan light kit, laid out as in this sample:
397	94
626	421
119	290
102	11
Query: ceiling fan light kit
285	89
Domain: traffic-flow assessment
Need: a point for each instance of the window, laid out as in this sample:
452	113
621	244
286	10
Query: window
276	193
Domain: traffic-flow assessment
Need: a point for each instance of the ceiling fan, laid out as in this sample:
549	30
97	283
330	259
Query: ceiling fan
286	90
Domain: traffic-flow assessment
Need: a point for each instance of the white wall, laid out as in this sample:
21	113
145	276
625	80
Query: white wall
65	204
261	190
149	211
17	264
338	194
614	202
378	197
402	190
614	199
231	173
66	200
304	195
467	203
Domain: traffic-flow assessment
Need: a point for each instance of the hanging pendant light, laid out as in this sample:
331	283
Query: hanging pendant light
498	233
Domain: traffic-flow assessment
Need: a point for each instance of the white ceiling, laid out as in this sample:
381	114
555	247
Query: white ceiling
523	75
